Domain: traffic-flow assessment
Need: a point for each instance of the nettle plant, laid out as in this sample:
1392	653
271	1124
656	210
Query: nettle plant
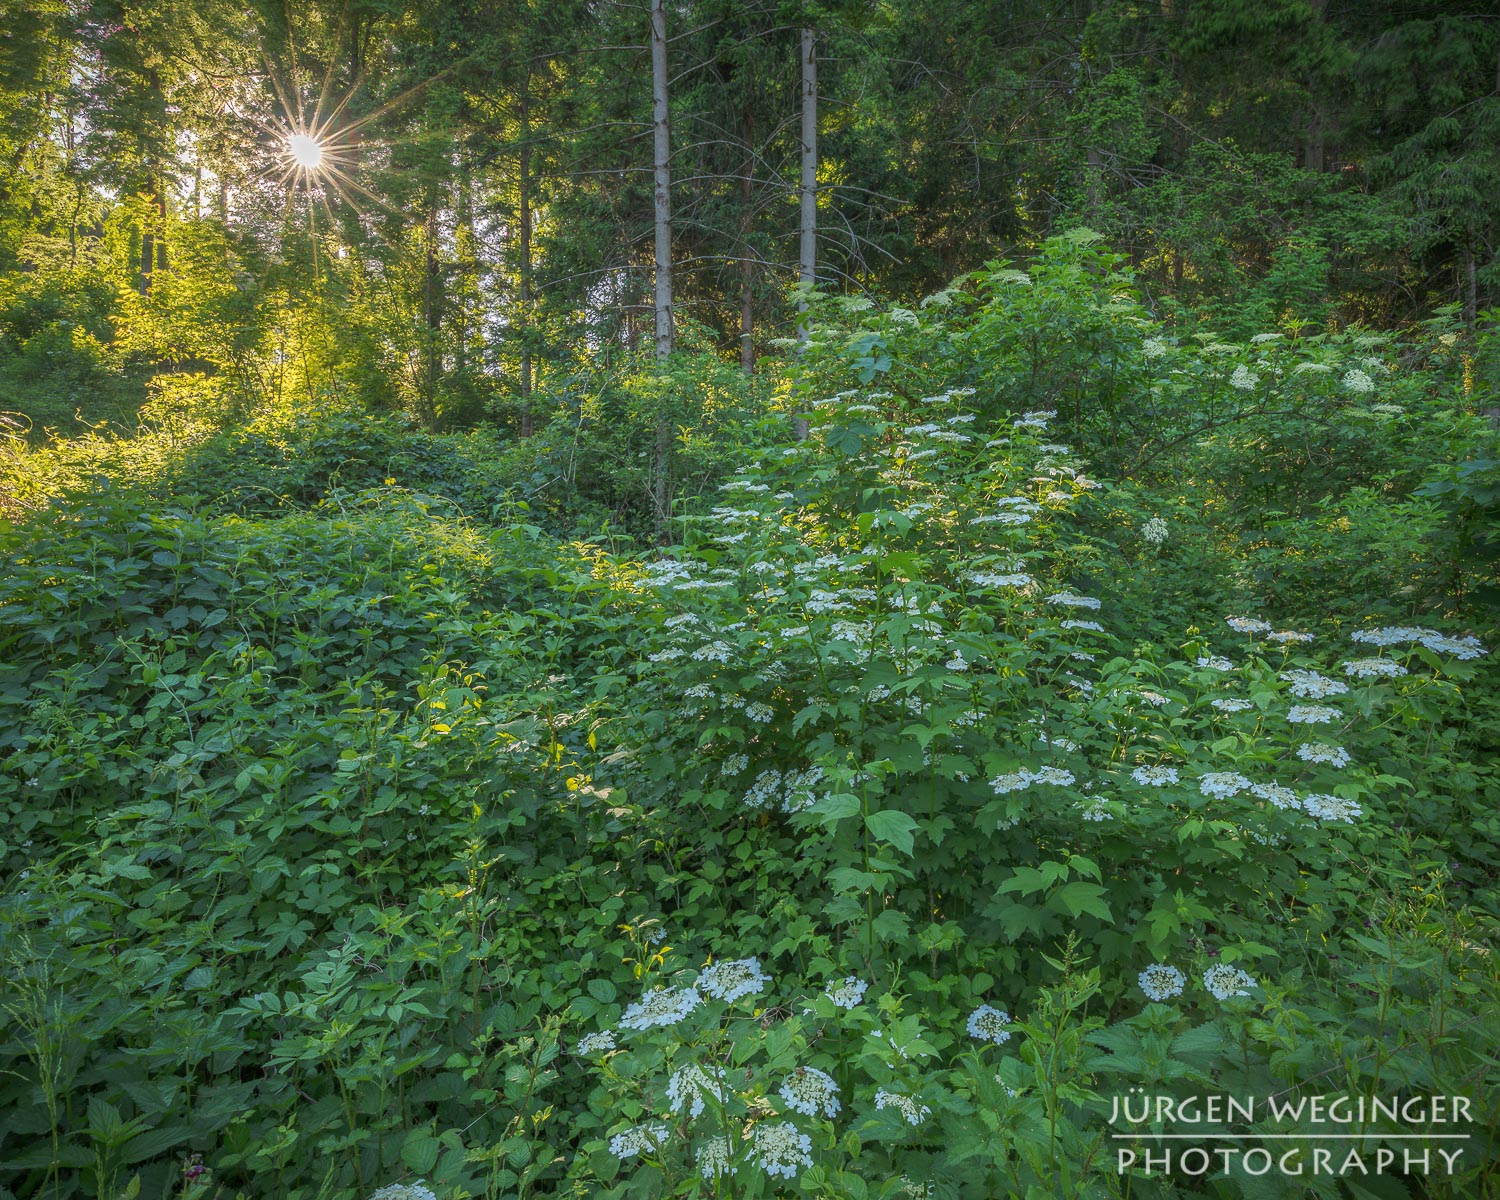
871	666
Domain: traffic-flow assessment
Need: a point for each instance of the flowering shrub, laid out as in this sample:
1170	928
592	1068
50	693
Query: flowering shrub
936	786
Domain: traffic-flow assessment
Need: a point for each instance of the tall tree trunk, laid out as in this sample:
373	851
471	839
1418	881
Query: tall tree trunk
1313	155
432	312
807	248
662	148
807	257
466	258
1470	282
528	420
747	264
153	235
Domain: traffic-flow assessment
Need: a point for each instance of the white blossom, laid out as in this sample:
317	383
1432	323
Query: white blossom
662	1006
1161	982
779	1149
1225	981
1222	784
728	981
1323	753
639	1139
596	1043
811	1092
1331	808
847	992
989	1024
910	1109
1312	714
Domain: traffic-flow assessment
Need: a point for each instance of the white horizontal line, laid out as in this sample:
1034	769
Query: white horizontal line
1239	1137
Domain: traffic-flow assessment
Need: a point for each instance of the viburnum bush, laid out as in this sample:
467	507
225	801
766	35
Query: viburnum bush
894	724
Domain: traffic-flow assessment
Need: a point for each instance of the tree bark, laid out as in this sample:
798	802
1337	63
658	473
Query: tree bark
527	417
747	264
807	251
807	258
662	150
432	312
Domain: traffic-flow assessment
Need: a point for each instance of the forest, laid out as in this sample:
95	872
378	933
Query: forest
641	598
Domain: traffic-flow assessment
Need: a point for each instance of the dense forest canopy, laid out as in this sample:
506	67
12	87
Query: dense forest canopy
479	218
744	599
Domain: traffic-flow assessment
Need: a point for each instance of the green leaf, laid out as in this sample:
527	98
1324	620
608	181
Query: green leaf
420	1151
893	826
1080	897
601	990
835	807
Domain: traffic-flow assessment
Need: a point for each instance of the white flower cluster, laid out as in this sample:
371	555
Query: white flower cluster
913	1112
1356	380
662	1006
1244	379
1331	808
1231	704
1017	781
790	792
1155	531
1323	754
988	1024
1462	648
639	1139
1225	981
416	1190
728	981
716	1159
847	992
1092	625
1289	635
690	1084
1221	785
1309	685
1069	600
1161	982
596	1043
1155	776
1008	517
1275	794
1212	662
1248	624
987	579
1034	420
779	1150
1374	668
1312	714
811	1092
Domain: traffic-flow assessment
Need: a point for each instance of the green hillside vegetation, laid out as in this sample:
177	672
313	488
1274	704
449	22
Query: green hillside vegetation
453	745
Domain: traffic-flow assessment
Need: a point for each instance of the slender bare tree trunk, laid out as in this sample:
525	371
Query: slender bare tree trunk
661	453
807	250
432	314
807	259
747	264
1470	282
662	144
1314	155
466	254
528	419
